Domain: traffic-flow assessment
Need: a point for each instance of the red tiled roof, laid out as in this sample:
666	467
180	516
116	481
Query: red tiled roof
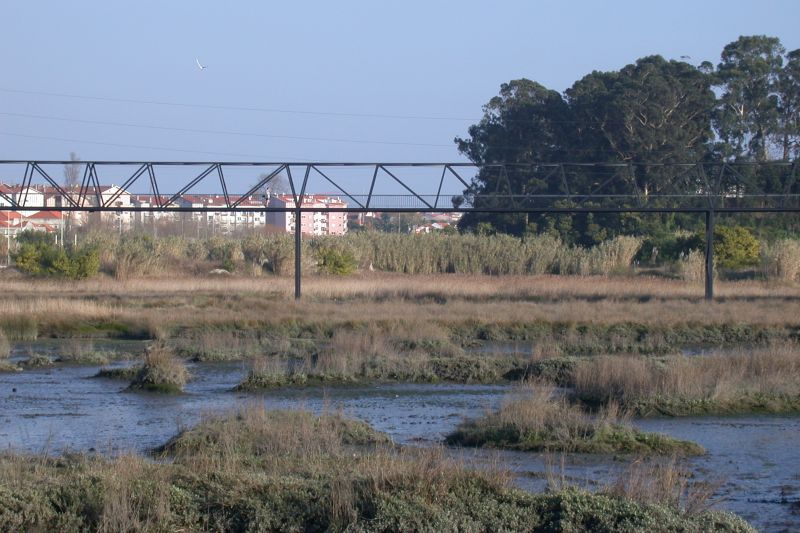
45	215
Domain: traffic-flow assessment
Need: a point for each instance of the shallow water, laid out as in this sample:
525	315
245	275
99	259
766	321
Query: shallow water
53	409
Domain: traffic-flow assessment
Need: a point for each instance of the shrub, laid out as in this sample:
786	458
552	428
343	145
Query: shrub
735	247
40	257
335	260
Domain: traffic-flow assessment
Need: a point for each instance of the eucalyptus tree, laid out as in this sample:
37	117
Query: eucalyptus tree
525	123
748	77
787	135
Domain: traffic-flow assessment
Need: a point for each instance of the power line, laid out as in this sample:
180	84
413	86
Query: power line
120	145
276	110
290	137
220	132
232	108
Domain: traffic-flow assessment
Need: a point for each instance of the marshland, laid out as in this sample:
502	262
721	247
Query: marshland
158	398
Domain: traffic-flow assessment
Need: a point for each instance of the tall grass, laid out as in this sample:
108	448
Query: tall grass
765	378
161	371
538	417
782	260
493	255
668	482
5	346
136	255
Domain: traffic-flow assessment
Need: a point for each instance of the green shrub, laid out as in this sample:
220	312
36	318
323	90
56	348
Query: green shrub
38	256
335	260
28	259
735	247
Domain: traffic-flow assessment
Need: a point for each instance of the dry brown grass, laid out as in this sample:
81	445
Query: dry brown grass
400	286
783	260
723	378
160	304
538	417
5	347
162	371
651	481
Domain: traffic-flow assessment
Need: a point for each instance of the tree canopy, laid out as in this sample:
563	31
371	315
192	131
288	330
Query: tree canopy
653	111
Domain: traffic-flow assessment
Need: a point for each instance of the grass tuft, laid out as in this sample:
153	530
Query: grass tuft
161	371
537	417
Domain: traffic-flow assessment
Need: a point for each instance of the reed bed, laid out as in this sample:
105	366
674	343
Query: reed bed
762	379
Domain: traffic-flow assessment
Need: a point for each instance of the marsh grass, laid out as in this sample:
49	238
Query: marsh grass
8	366
757	379
370	354
537	417
654	481
254	469
161	371
219	345
81	352
128	373
459	305
35	360
5	346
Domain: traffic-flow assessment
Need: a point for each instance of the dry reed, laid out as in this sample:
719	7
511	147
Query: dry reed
763	378
538	417
161	371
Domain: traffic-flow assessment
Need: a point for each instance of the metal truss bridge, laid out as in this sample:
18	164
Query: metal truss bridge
563	188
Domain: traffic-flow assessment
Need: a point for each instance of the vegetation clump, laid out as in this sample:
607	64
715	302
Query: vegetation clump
762	379
37	361
5	346
257	470
81	353
538	418
38	255
161	371
371	354
8	366
128	373
735	247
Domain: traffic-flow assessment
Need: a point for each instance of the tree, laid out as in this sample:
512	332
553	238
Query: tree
747	110
277	185
787	134
72	171
525	123
654	111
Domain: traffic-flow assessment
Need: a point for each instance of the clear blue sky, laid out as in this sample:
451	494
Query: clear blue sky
433	64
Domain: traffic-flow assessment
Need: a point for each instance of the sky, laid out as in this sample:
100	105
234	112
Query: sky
318	81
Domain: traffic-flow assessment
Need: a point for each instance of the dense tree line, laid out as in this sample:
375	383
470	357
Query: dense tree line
653	111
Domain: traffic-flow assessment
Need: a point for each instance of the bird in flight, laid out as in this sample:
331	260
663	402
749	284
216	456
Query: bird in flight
686	57
201	67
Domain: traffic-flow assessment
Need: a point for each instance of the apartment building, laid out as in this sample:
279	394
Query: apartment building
311	223
39	198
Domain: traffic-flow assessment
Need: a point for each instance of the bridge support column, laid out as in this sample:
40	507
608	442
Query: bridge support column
710	254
